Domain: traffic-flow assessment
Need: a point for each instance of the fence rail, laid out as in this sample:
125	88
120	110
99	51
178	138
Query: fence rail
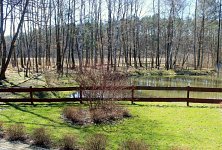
132	97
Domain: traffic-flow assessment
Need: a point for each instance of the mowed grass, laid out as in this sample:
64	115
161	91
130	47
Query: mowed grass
162	126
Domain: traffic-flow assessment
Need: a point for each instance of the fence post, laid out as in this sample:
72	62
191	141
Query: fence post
188	95
31	95
80	95
132	101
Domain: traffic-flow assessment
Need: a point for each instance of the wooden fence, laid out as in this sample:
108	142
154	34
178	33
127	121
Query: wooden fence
131	97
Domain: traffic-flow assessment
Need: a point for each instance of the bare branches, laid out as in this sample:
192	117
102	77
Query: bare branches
103	79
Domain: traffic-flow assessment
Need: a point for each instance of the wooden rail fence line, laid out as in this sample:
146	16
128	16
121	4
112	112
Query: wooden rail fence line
132	97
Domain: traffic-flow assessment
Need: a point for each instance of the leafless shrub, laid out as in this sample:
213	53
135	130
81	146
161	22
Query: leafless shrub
105	87
110	84
126	113
69	143
1	125
16	132
108	113
1	128
77	115
41	137
96	142
99	116
134	145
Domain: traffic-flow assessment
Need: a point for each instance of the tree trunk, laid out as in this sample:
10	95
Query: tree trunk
12	45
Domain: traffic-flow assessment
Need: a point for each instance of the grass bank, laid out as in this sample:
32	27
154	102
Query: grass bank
49	79
162	126
163	72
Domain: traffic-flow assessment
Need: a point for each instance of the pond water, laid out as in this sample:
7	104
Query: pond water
177	81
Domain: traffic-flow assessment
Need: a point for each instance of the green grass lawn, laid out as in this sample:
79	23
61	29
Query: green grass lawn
162	126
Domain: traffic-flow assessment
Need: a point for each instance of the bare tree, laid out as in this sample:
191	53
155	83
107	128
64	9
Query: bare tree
6	58
218	37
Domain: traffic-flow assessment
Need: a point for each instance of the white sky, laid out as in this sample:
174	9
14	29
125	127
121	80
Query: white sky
147	9
148	6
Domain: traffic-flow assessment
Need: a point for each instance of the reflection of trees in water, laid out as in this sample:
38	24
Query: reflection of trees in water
108	94
176	81
181	81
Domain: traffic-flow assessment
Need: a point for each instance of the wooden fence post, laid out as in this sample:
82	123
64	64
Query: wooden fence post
80	95
31	95
188	95
132	101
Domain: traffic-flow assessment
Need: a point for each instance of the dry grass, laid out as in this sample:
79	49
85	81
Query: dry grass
108	112
96	142
76	115
1	129
1	125
69	142
16	132
41	137
134	145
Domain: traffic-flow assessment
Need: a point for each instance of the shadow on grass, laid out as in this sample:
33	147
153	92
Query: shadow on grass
135	127
54	122
35	77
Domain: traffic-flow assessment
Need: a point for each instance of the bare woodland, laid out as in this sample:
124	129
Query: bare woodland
76	34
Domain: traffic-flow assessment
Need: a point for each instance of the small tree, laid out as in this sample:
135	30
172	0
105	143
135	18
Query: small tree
104	85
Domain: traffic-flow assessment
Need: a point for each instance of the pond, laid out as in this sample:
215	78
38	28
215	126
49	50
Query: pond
177	81
172	81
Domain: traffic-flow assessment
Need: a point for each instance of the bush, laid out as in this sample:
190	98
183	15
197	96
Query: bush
110	84
41	138
16	133
1	128
126	113
134	145
76	115
108	113
96	142
105	113
99	116
69	143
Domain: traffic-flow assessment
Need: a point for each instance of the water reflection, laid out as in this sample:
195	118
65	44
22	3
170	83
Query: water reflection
178	81
75	95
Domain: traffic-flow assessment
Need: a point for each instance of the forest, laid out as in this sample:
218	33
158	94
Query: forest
76	34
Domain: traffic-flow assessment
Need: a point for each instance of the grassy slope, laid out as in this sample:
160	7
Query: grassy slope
161	126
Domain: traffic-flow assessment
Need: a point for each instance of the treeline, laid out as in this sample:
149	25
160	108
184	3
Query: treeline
81	33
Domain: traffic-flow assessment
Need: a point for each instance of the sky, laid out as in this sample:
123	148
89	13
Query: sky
148	6
147	9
